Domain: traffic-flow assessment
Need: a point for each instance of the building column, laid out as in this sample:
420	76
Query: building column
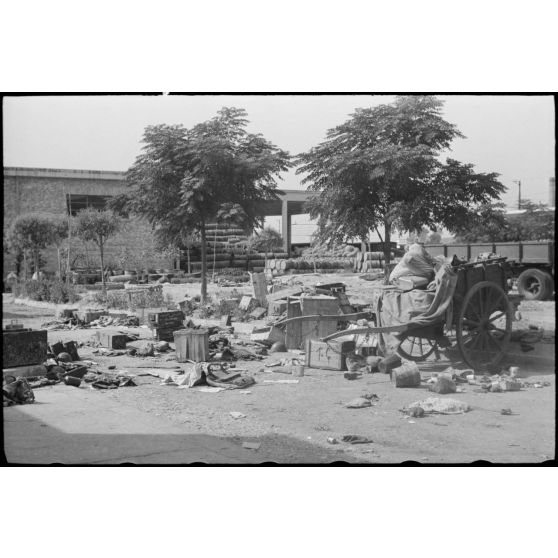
286	227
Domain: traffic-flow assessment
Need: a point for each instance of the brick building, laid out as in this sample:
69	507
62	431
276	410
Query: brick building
59	191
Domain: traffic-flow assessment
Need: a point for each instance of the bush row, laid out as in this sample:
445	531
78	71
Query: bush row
47	290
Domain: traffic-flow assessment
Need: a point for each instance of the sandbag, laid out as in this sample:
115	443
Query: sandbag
417	261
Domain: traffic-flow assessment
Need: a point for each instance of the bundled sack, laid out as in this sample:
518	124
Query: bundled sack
437	405
17	392
416	262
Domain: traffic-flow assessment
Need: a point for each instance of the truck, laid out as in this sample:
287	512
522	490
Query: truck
531	262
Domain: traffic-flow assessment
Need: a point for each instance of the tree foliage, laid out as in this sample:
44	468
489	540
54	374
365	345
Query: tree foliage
381	168
266	240
92	225
29	234
492	224
187	178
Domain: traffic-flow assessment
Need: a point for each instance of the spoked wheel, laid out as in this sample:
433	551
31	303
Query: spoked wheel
484	325
416	348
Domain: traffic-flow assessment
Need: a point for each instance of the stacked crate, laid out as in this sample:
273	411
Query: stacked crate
164	324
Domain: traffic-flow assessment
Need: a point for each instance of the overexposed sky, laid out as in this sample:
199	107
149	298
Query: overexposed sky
511	135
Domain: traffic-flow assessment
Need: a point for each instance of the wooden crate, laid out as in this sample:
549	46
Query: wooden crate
192	344
23	348
112	339
328	356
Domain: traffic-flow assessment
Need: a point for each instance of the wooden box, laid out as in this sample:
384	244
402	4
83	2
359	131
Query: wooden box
191	344
165	320
328	356
23	348
112	339
165	333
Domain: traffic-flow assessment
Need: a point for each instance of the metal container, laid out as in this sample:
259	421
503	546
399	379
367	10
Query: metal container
72	381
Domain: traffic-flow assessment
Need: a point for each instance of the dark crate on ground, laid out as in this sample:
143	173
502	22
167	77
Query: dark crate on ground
165	320
329	356
23	348
165	334
112	339
191	344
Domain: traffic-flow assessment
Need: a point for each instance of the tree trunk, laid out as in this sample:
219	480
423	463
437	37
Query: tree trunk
188	256
102	268
59	264
387	242
36	259
204	264
25	265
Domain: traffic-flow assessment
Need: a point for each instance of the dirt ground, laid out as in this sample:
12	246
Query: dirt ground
287	419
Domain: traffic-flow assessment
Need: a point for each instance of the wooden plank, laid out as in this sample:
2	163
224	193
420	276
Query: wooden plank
293	335
284	293
259	284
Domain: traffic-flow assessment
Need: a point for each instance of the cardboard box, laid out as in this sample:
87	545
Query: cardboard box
328	356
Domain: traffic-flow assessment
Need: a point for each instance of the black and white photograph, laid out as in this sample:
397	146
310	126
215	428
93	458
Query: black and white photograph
289	279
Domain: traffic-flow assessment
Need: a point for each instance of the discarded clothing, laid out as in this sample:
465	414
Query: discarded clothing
437	405
17	392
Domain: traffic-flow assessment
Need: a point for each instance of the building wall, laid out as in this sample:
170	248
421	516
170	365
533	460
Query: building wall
45	191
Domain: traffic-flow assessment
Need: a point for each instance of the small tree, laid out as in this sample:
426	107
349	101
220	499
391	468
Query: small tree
59	239
30	233
97	226
266	240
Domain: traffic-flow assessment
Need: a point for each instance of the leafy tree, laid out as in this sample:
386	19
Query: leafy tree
380	169
266	240
97	226
29	234
487	224
186	178
536	223
492	224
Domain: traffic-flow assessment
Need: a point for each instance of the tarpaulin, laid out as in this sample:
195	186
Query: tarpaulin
415	308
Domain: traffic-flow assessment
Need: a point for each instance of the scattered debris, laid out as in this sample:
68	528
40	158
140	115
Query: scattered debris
355	439
443	385
359	403
251	445
237	415
437	405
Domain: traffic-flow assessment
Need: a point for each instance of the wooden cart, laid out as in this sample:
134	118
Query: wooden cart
481	320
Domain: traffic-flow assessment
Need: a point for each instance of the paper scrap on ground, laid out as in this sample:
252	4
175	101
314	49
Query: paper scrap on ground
280	381
251	445
237	415
208	389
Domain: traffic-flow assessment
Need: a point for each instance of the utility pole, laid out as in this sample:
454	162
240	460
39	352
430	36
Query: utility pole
518	182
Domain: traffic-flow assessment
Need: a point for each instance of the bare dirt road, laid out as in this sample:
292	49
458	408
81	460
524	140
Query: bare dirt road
292	422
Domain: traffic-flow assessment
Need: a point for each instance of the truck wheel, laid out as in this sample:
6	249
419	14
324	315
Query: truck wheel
534	284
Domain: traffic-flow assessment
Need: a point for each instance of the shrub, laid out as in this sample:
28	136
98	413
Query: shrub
46	290
151	297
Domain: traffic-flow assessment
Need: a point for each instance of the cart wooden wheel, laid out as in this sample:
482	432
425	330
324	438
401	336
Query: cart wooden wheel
416	348
483	329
